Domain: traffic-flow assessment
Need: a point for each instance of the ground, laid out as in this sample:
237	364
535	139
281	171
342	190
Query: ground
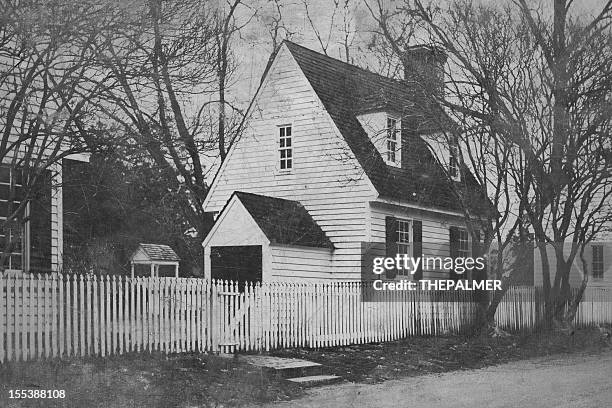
143	381
372	363
190	380
576	381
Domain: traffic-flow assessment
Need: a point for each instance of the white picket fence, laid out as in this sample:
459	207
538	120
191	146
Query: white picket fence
55	316
59	316
279	315
522	308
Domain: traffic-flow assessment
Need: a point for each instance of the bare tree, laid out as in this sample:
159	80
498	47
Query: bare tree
339	29
273	19
45	56
226	29
544	98
164	68
571	197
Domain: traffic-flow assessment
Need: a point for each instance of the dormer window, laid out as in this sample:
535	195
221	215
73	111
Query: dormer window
453	160
393	142
285	147
384	131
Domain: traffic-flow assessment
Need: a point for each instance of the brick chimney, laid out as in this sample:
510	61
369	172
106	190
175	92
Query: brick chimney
424	69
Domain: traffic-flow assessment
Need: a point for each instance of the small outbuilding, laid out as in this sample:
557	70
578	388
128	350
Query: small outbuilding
259	238
155	256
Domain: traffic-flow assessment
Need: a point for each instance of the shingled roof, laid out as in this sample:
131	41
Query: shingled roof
284	222
158	252
347	91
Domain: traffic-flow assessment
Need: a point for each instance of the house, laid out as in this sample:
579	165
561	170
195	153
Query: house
335	162
35	243
597	263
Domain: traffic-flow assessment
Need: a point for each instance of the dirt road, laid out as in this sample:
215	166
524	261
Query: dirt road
567	381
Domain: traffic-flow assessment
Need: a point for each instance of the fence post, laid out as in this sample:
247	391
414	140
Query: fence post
54	313
82	313
3	317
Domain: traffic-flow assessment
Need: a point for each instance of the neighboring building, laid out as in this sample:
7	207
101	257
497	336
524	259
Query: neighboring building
36	241
334	157
598	259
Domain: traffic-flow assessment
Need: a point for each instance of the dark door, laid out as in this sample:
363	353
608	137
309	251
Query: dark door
236	263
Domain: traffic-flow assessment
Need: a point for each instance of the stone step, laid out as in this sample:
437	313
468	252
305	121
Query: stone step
311	380
283	367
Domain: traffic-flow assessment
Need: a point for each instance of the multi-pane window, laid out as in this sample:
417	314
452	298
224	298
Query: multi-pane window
598	261
11	225
392	141
285	147
453	161
463	243
403	240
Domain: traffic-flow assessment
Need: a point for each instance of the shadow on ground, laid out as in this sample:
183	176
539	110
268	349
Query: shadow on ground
197	380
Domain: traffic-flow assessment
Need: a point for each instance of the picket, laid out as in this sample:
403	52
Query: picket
55	316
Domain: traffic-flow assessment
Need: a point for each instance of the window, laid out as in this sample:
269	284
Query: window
11	232
459	248
453	161
463	243
598	261
403	232
285	147
392	141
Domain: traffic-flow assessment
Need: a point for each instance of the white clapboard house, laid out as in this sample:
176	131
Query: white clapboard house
35	243
334	157
597	263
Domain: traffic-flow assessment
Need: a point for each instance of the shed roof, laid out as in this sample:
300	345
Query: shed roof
283	221
157	252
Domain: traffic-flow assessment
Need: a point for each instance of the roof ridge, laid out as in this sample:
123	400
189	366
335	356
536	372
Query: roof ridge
267	196
336	60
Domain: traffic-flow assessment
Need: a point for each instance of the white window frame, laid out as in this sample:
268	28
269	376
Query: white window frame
285	148
454	159
23	228
598	264
464	247
393	141
403	239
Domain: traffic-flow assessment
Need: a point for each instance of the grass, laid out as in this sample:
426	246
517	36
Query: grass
193	380
142	380
372	363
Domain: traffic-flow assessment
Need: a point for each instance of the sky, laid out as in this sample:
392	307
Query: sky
254	46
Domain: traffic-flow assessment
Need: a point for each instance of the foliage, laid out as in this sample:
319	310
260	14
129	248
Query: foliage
111	207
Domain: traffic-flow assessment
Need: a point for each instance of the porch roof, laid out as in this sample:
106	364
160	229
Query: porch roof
284	222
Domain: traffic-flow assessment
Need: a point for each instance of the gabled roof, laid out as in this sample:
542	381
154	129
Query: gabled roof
284	222
158	252
347	91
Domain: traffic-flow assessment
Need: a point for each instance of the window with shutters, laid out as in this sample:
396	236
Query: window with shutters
598	261
11	218
285	148
404	236
459	248
463	243
39	224
403	233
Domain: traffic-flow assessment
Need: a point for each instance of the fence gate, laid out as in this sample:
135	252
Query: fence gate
45	316
239	312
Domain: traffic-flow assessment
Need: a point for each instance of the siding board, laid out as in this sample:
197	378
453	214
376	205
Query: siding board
326	178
